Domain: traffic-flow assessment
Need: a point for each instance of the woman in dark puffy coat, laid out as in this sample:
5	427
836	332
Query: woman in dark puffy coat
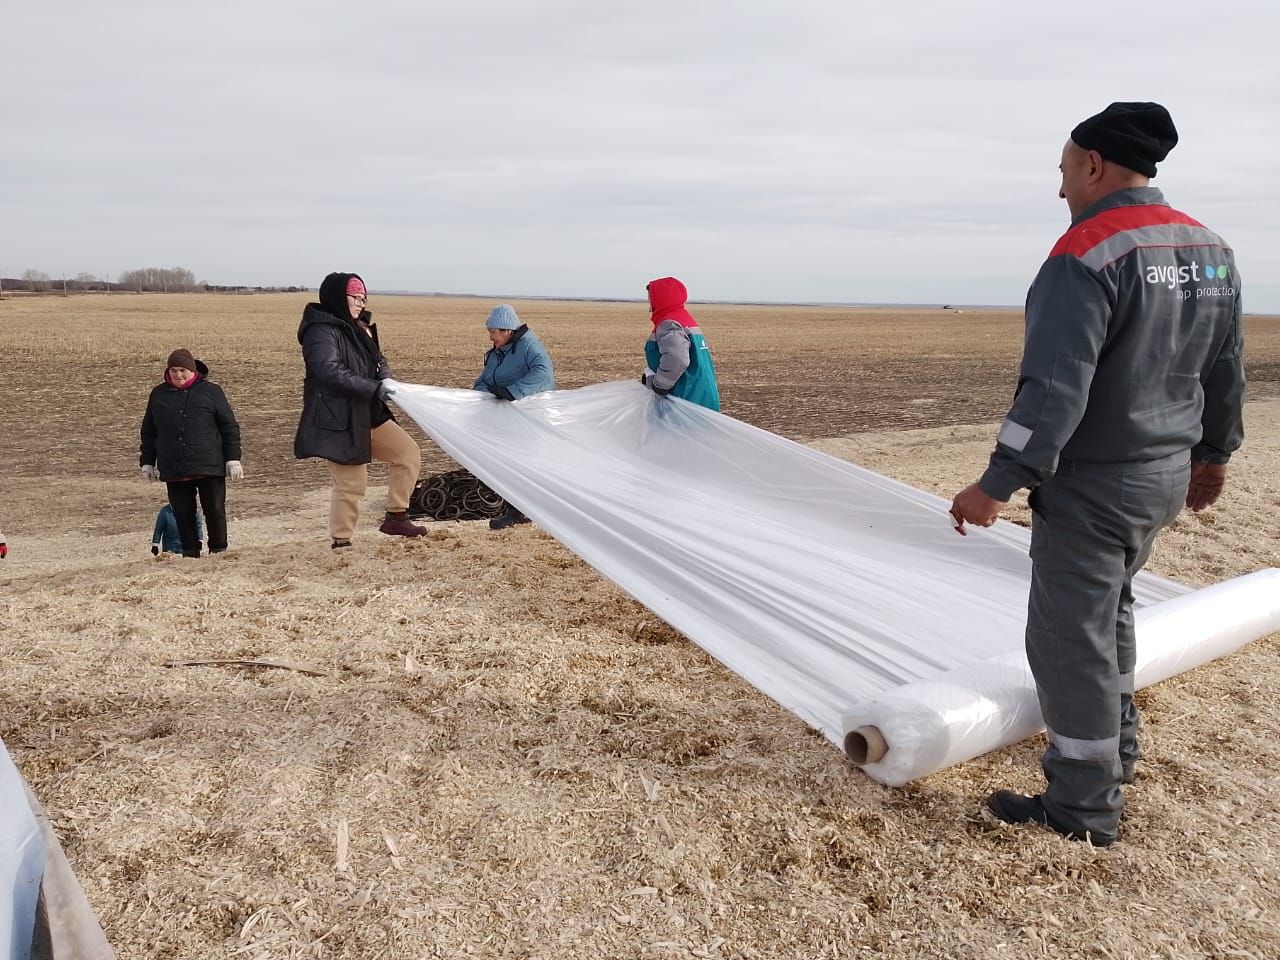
345	418
191	441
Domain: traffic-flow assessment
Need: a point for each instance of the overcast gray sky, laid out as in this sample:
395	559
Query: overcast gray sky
800	151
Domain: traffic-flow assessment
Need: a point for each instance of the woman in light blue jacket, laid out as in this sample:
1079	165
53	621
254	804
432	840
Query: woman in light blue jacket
517	365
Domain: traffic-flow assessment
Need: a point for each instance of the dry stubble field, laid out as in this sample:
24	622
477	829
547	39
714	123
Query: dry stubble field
506	757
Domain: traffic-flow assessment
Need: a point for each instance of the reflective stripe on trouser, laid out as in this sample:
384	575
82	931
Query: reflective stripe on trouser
1091	532
389	444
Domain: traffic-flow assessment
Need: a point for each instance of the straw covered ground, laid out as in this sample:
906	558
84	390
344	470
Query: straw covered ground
504	756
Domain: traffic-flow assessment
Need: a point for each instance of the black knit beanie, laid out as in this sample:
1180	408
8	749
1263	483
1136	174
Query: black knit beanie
1134	135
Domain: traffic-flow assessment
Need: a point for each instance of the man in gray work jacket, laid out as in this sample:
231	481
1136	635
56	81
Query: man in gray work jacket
1129	404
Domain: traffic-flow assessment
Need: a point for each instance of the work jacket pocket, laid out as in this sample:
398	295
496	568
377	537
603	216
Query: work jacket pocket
332	413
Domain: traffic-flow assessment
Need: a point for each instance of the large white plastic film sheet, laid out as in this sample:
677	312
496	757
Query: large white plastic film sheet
43	910
22	858
825	585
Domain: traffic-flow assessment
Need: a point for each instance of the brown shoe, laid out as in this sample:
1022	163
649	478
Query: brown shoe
399	525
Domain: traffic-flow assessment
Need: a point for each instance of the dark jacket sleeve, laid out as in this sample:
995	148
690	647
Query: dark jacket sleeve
228	428
323	358
147	447
1223	382
1068	313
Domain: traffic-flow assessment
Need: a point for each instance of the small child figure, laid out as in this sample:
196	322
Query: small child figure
166	536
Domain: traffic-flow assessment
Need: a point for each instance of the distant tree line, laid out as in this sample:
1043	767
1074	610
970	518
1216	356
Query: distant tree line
160	280
37	281
145	280
214	288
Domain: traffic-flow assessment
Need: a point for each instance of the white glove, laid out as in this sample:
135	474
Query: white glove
149	472
386	388
234	470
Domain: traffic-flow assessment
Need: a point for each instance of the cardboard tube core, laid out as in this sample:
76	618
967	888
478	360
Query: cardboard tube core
865	745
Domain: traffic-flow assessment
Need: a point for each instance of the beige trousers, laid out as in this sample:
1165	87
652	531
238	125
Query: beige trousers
389	445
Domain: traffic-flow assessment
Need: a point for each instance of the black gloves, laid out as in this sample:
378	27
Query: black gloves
502	393
648	380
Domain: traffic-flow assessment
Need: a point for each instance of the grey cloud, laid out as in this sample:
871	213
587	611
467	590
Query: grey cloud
778	152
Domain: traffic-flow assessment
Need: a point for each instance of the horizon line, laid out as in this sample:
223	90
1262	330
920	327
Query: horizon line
712	302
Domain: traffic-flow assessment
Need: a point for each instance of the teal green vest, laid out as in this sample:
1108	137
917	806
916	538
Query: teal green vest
698	384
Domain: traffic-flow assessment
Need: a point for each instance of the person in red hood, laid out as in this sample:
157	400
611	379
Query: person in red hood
678	358
191	441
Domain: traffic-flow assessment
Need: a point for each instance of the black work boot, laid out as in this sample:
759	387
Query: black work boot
1014	807
509	518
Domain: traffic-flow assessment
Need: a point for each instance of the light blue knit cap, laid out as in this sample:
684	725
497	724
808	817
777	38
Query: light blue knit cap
503	318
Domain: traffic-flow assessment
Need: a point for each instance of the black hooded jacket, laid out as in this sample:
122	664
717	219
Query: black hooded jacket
189	432
343	367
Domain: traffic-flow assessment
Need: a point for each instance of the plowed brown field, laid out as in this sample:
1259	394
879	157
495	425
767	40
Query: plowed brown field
507	757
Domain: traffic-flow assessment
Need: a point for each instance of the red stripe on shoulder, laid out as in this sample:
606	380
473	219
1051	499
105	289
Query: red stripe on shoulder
1086	235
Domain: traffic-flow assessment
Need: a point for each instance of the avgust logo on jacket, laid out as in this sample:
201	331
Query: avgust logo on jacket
1174	276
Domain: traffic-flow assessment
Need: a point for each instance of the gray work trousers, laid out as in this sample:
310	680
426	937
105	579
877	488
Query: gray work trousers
1092	529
